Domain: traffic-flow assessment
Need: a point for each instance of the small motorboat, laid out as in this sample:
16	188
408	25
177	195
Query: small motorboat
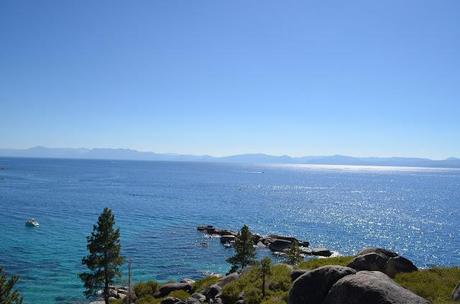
32	223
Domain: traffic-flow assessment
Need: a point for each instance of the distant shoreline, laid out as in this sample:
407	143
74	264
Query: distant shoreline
133	155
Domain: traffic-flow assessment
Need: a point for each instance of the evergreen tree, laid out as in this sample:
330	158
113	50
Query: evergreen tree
265	271
7	293
104	258
294	256
244	250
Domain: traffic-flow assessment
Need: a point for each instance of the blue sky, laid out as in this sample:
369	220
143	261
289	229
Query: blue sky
378	78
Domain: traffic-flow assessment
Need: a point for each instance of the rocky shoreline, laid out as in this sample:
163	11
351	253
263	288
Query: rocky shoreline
366	278
278	244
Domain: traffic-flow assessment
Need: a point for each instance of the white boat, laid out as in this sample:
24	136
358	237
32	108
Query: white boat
32	223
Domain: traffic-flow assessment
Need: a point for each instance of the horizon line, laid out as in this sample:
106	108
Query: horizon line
233	155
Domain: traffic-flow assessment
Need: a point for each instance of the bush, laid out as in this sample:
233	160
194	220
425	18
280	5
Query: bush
204	282
231	292
145	288
318	262
250	283
276	298
280	279
148	299
180	294
435	284
252	295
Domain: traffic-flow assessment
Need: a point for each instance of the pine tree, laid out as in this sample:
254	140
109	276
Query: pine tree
244	250
104	257
294	256
265	271
7	293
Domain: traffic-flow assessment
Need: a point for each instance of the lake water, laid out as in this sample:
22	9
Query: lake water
159	204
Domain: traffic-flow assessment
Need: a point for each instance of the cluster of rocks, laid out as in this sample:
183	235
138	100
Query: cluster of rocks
364	280
278	244
210	295
116	292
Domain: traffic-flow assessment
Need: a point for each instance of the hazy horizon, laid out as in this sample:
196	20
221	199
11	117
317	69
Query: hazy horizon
221	156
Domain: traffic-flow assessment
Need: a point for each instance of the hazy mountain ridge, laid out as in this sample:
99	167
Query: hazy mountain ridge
129	154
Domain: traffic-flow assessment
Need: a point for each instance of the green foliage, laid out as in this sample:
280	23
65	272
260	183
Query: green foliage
252	295
204	282
435	284
8	295
250	282
116	301
265	271
148	300
318	262
276	298
180	294
145	288
293	256
244	250
280	279
103	260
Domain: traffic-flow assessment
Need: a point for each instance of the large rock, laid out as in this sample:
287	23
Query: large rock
456	293
212	292
227	238
383	260
381	251
199	296
369	261
167	288
297	273
366	287
399	264
172	300
313	286
279	245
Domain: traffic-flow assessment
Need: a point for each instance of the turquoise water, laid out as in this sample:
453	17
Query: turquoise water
158	205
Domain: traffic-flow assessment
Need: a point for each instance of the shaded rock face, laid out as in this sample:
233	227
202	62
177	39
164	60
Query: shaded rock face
279	245
297	273
379	259
313	286
170	287
456	293
213	292
370	287
172	300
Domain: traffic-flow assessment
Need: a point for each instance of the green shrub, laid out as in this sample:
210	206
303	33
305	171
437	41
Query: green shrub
116	301
204	282
280	279
250	282
318	262
276	298
252	295
180	294
145	288
148	299
230	292
435	284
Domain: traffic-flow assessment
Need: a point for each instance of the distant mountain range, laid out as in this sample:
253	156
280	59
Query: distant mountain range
128	154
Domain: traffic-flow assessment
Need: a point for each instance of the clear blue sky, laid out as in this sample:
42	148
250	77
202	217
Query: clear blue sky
378	78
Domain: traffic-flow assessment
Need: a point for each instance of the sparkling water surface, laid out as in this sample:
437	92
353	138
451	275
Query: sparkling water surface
158	205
